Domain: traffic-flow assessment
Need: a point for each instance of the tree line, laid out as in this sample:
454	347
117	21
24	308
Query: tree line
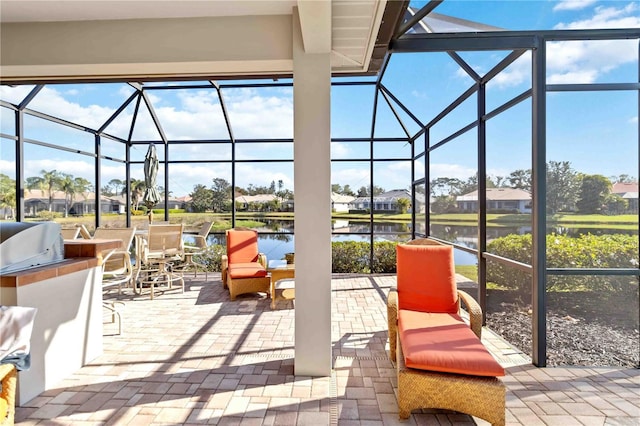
567	189
49	181
218	196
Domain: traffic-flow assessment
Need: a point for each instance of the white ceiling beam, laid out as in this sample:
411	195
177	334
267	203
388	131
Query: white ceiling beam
315	22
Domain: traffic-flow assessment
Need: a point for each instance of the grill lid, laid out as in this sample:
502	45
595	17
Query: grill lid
27	244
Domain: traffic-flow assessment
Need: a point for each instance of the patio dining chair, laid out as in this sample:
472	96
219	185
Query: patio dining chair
117	268
243	267
200	241
157	255
116	264
69	233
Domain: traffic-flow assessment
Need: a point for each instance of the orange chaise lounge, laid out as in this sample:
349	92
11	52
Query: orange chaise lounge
441	360
243	267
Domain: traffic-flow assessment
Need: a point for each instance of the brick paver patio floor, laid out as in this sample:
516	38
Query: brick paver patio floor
198	358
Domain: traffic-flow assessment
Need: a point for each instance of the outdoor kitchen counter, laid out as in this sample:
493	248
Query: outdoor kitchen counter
67	330
79	255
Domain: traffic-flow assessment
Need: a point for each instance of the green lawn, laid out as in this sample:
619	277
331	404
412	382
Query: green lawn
222	220
469	271
596	220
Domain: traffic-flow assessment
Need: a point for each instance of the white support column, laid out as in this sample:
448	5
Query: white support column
312	180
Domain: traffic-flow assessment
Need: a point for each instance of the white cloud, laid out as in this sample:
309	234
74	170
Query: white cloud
8	168
573	4
258	175
183	177
515	74
419	94
254	115
457	171
51	101
16	94
607	17
354	177
393	175
633	120
583	61
124	91
340	150
587	61
76	168
462	74
572	77
196	115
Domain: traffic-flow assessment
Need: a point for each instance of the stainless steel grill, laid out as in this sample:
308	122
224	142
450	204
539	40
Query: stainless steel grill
25	245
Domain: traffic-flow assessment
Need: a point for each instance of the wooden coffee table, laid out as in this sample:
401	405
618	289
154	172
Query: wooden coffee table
278	273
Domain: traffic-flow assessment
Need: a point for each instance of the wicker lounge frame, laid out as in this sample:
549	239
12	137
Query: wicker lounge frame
482	397
479	396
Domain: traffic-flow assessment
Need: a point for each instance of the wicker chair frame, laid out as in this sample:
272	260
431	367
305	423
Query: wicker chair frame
483	397
479	396
244	285
8	382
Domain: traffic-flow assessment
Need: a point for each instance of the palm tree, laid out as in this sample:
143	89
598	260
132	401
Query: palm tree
7	194
137	188
116	184
403	205
48	182
72	186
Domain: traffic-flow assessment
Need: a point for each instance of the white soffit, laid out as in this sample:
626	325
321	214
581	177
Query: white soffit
315	23
354	27
98	10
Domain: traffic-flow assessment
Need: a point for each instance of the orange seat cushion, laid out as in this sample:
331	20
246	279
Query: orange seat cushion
247	270
426	278
444	343
242	246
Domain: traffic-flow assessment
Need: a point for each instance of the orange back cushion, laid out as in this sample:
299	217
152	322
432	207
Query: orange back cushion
426	278
242	246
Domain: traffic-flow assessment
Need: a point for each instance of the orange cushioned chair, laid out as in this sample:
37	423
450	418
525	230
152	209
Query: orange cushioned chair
243	267
441	360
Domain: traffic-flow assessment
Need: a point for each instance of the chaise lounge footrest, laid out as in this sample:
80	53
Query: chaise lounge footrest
482	397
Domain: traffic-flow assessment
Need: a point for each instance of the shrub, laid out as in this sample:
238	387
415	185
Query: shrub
384	257
47	215
585	251
350	257
211	257
347	257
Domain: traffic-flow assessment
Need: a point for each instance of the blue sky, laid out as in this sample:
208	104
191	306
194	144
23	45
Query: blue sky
596	131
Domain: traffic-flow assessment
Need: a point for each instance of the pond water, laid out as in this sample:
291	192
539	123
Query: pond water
276	237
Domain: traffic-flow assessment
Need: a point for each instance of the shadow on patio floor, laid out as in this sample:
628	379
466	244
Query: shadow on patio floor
198	358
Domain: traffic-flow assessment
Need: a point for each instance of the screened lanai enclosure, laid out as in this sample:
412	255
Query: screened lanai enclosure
518	147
